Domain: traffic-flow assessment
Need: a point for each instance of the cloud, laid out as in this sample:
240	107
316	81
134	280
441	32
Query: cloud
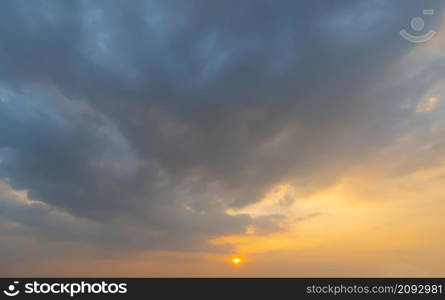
427	105
138	125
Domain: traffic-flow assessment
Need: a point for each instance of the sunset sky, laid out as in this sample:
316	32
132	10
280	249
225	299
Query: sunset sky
166	138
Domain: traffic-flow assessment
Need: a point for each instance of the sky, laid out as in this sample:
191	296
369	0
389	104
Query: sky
164	138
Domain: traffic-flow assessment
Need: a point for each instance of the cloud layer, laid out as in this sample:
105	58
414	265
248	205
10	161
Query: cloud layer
137	125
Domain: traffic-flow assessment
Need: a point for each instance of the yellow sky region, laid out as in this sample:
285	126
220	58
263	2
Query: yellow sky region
364	226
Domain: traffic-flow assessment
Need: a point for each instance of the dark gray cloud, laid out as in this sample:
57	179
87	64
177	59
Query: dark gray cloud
145	120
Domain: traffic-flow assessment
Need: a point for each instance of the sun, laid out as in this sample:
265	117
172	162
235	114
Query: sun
236	260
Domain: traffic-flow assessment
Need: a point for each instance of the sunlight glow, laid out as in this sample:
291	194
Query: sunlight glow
236	260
